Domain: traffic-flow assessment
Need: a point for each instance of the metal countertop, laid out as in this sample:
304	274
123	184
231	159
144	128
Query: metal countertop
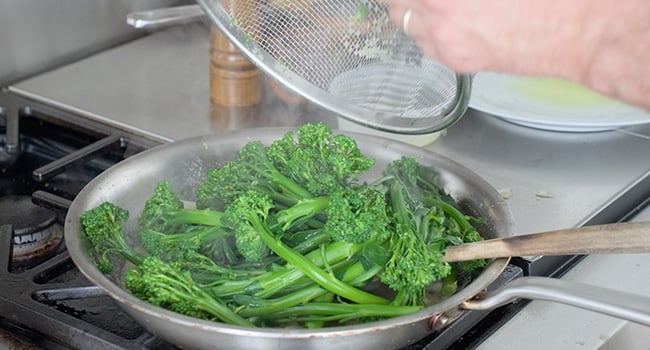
159	86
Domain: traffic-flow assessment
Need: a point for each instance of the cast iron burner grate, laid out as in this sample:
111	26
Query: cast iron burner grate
55	307
44	298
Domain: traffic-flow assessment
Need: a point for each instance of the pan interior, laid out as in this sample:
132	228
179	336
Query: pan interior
185	163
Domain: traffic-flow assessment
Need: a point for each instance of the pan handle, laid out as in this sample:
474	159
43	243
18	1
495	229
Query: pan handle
631	307
628	237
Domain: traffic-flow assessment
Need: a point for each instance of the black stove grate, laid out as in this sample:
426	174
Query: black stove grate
53	304
46	300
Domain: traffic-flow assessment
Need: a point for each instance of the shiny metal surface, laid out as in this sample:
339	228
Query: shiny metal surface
39	35
554	180
160	81
184	163
544	325
632	307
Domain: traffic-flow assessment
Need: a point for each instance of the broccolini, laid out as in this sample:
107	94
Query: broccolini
287	233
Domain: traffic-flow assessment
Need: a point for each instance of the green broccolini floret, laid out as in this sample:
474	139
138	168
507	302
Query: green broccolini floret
167	285
163	201
357	214
318	159
413	265
313	162
176	246
252	170
354	213
197	239
439	217
170	231
426	221
185	249
165	212
443	224
103	227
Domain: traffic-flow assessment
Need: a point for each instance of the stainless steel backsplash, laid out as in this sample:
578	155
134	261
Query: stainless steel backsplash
38	35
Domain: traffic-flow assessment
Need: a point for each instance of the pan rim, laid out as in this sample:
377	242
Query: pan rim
132	303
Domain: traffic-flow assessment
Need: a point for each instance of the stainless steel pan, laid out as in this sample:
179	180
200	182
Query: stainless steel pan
184	163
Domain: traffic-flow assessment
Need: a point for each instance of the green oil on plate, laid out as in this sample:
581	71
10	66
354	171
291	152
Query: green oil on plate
562	93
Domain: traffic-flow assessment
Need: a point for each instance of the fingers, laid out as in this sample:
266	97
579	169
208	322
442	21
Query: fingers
415	23
411	19
440	32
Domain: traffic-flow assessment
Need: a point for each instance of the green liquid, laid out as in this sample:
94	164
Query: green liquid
558	92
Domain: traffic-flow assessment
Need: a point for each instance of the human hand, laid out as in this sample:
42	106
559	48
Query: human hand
598	43
521	36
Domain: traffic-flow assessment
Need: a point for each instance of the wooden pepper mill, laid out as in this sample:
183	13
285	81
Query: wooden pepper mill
235	86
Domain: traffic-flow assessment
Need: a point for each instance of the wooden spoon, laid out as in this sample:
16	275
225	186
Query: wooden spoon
632	237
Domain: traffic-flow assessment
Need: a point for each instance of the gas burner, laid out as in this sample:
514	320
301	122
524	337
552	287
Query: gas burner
36	233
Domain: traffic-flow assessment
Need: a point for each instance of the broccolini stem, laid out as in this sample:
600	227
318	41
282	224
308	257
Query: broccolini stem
207	217
454	213
273	282
449	284
303	210
202	233
269	306
325	298
340	312
284	199
306	241
185	288
126	250
398	203
127	253
310	269
354	274
334	253
288	184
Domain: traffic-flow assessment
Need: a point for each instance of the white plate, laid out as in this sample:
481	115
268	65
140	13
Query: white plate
550	104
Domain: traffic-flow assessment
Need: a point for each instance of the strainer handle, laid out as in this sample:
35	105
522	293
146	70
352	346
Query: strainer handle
165	17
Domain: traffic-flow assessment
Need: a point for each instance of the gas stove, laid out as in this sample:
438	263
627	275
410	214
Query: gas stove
46	302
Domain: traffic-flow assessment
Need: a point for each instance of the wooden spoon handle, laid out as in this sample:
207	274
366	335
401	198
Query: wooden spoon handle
632	237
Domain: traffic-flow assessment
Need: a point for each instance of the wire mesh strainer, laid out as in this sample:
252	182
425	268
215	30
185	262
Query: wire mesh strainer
347	57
